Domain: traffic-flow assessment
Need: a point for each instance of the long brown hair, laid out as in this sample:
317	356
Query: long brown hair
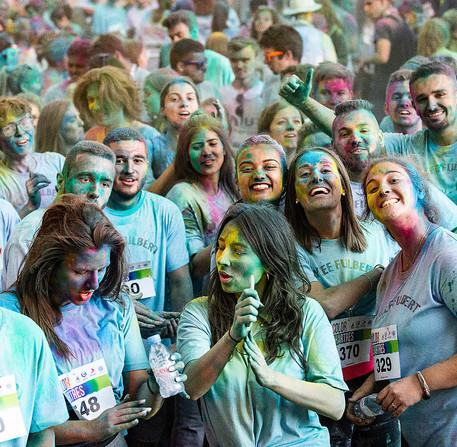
352	236
271	238
69	227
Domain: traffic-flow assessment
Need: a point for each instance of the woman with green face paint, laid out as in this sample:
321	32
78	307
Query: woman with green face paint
204	189
343	260
259	354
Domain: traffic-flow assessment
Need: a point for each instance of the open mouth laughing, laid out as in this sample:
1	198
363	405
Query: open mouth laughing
319	190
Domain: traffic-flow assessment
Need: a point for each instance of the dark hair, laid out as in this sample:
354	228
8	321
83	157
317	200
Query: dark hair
353	105
174	81
352	237
60	12
330	70
108	43
184	172
67	228
101	60
269	112
402	75
419	180
133	49
300	70
80	47
263	8
431	68
124	134
181	51
182	16
238	43
220	16
283	38
86	147
271	238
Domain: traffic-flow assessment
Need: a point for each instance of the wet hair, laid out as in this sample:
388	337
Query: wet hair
183	49
330	70
432	36
182	16
68	228
432	68
48	137
274	18
184	172
270	237
174	81
239	43
80	47
352	237
16	107
419	180
117	89
269	113
89	148
283	38
108	43
124	134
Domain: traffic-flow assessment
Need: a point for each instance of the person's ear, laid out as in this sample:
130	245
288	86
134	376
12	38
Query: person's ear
180	68
60	183
386	109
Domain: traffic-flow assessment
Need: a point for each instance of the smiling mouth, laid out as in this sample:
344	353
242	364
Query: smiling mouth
319	190
290	135
208	162
435	114
186	114
224	277
259	186
22	142
128	181
389	202
404	112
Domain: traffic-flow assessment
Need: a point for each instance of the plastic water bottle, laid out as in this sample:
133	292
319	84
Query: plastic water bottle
367	407
159	359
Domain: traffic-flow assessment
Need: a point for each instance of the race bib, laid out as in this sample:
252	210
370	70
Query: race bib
11	422
385	353
353	339
140	283
88	390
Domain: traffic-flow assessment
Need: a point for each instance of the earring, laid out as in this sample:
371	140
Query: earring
343	192
297	201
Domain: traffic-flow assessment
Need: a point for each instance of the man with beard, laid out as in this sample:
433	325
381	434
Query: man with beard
153	229
401	115
434	93
88	171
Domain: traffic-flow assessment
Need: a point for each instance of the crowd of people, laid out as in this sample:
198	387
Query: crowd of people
268	185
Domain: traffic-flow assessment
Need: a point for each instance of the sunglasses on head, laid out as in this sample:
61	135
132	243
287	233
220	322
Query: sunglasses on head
269	56
199	65
239	111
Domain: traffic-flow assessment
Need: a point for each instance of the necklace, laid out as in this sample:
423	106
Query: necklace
419	247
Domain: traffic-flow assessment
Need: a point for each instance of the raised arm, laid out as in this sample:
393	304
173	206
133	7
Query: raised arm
296	92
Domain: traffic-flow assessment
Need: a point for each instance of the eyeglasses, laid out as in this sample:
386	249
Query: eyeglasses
26	124
268	56
239	111
198	65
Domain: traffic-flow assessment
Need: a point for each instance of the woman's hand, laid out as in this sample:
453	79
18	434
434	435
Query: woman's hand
121	417
246	311
263	373
152	323
178	365
401	394
367	388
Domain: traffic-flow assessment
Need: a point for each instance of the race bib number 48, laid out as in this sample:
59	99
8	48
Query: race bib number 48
385	353
88	390
11	422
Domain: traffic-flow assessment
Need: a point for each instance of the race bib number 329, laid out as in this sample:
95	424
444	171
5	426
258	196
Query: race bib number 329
386	355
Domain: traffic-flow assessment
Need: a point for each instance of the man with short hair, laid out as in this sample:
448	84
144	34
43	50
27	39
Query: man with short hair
401	115
244	97
183	25
187	58
27	179
88	171
282	48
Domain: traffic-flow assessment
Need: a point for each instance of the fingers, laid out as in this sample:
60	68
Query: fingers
184	394
169	315
181	378
36	182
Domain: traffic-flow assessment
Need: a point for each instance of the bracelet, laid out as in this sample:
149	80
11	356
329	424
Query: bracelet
379	266
236	341
424	386
369	279
149	388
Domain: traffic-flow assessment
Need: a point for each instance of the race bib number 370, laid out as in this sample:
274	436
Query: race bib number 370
11	422
88	390
386	355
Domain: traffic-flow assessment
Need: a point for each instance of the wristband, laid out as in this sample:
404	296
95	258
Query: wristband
236	341
379	266
424	386
369	279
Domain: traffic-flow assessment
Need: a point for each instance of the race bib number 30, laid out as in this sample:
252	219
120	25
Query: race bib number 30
88	390
11	422
141	283
385	353
353	339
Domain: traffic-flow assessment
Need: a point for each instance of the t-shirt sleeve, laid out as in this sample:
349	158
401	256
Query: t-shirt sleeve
305	262
320	348
383	30
177	255
194	333
446	286
49	406
135	355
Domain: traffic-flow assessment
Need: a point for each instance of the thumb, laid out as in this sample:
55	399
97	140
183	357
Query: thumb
125	399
